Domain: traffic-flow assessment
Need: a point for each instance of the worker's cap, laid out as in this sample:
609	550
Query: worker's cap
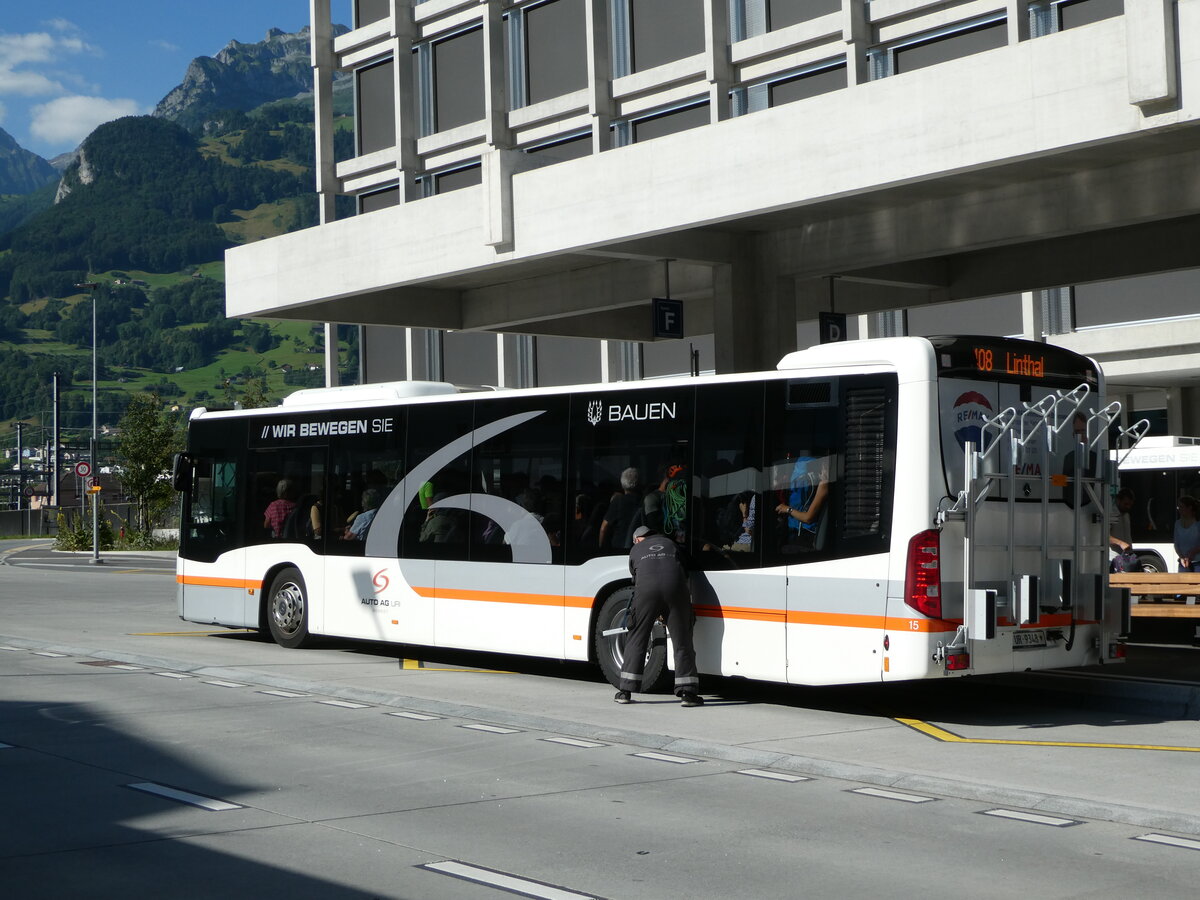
641	531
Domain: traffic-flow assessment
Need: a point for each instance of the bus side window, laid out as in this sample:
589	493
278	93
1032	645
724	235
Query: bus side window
728	508
434	529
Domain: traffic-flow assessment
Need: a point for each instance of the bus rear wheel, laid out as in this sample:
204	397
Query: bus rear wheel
287	609
610	649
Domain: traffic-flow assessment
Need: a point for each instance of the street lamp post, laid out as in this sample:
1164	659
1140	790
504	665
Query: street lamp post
91	286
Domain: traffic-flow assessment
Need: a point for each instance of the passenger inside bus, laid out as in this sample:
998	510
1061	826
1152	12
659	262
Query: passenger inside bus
357	530
280	508
615	532
804	509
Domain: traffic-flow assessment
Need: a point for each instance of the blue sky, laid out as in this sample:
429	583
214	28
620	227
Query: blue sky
71	65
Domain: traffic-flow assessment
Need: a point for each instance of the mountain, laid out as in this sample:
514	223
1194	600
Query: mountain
142	196
21	171
145	208
241	77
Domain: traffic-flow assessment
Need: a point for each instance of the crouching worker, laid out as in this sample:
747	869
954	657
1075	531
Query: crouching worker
660	588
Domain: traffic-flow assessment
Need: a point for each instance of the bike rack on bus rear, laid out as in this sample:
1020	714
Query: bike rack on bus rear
982	469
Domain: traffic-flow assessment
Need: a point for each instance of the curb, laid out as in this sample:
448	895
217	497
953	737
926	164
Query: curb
1139	817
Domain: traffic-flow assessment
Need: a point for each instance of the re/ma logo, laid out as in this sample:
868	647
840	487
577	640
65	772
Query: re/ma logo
629	412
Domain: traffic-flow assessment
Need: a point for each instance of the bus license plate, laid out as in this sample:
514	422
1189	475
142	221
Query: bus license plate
1029	639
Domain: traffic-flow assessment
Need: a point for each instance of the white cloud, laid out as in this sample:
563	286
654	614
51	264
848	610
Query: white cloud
165	45
21	55
58	23
66	121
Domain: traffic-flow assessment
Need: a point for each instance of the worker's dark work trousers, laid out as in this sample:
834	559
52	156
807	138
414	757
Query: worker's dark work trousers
648	605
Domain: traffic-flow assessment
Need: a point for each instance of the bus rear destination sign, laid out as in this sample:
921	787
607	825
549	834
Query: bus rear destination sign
1014	364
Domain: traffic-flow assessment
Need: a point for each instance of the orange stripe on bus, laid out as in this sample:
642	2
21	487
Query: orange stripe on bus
207	581
740	612
503	597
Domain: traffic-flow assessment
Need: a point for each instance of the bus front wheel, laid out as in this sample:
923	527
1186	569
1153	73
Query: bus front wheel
287	609
610	649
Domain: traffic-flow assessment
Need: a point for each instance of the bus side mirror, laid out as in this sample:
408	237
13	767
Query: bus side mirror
181	471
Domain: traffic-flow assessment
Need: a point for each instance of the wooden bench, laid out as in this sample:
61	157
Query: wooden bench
1155	593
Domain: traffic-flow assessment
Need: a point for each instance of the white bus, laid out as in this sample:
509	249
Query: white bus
1159	470
486	513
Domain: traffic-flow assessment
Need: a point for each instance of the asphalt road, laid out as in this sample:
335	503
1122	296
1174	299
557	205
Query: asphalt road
141	754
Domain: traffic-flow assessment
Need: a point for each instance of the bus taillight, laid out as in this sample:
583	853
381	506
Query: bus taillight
923	575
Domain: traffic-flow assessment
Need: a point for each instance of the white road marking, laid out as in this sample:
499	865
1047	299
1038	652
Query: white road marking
203	802
774	776
494	729
126	668
573	742
504	882
174	675
420	717
1031	817
229	684
6	746
48	653
666	757
1169	840
892	795
11	649
288	694
344	704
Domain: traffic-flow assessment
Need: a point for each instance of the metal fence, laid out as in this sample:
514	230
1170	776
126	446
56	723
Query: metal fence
44	522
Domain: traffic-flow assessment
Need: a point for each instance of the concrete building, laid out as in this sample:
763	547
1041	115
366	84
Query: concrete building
547	167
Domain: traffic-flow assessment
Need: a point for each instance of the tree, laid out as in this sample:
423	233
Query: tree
149	438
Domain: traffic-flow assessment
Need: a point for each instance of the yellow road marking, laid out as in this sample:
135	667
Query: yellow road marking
185	633
414	665
949	737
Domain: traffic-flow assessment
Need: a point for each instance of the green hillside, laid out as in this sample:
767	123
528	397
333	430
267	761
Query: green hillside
150	211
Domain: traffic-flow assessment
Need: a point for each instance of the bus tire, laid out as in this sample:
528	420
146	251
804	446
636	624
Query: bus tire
1151	563
610	650
287	609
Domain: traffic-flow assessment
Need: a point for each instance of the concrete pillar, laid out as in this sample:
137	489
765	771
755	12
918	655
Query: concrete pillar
1152	51
1031	317
408	113
1018	20
321	50
718	68
754	317
856	32
494	76
1183	411
599	66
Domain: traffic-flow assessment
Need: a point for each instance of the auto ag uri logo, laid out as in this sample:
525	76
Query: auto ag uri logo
381	581
595	412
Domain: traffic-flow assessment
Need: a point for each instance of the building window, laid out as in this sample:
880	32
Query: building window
375	94
368	11
939	47
650	33
1048	18
449	180
809	84
670	122
749	18
554	39
789	88
379	200
566	148
458	80
782	13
